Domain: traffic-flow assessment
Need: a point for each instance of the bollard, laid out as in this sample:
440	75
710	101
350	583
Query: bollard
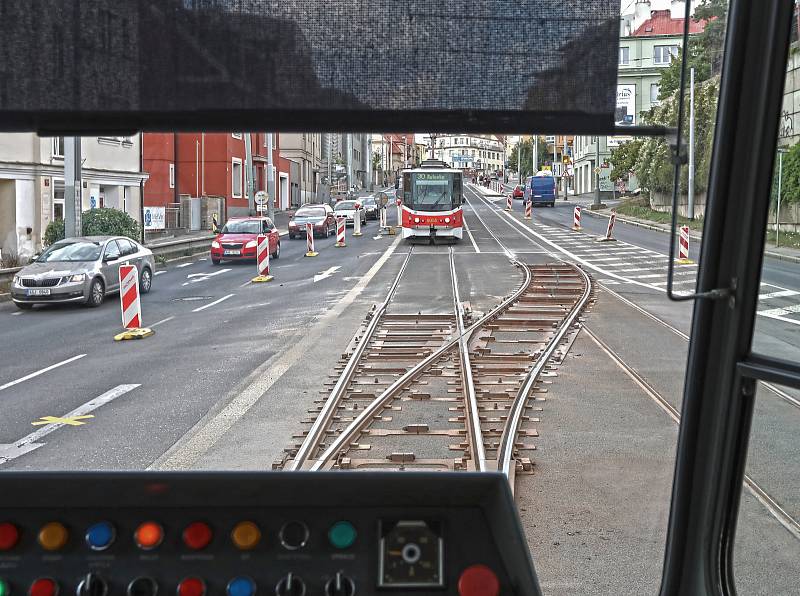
683	247
509	204
262	259
528	210
310	252
609	237
341	223
399	213
576	225
357	226
131	305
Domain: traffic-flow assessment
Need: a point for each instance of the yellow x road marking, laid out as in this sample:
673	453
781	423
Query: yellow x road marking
72	421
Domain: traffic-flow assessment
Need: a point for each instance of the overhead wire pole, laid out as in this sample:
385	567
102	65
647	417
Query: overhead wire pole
270	179
691	145
72	187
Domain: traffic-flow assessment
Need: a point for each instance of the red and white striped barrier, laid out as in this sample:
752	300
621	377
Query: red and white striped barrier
399	212
310	252
341	222
609	237
129	297
528	209
262	259
509	204
683	246
576	220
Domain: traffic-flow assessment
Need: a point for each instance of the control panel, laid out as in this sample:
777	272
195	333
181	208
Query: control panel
282	533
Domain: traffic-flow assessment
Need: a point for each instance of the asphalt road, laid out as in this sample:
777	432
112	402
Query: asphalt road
234	367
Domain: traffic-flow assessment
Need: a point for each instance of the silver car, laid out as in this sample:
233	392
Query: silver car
81	270
347	209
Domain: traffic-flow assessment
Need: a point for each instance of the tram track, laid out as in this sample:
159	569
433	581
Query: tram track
442	392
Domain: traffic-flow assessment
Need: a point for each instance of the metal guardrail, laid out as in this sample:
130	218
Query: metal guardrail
169	249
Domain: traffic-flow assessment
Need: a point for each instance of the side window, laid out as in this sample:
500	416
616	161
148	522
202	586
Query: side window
457	193
126	247
112	251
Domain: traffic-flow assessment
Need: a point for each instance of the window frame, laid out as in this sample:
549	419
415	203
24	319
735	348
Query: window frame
55	142
658	56
236	161
626	51
172	175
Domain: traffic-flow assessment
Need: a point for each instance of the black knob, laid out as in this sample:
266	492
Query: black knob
92	585
294	535
291	585
143	586
340	585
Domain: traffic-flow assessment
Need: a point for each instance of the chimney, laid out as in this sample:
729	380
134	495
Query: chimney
641	13
677	9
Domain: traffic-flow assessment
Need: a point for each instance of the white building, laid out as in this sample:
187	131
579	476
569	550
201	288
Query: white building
482	153
306	150
32	184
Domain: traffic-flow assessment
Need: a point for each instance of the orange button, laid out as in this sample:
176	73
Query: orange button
197	535
53	536
246	535
148	535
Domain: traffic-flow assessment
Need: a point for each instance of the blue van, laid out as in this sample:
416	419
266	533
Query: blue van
541	189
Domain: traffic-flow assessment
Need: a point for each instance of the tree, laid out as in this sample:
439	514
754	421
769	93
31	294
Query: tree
790	178
527	159
623	159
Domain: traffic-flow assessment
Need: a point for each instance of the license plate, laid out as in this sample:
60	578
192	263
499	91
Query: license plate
233	252
38	292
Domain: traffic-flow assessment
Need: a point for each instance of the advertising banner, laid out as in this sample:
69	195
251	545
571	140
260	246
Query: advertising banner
154	218
625	112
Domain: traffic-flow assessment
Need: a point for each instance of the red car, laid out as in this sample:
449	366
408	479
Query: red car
519	191
237	239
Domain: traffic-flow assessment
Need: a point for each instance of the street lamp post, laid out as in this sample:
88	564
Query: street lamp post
597	202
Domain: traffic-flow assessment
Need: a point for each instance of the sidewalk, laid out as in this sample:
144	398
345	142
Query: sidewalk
791	255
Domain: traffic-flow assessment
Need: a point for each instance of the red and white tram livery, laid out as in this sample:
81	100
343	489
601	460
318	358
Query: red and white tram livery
432	196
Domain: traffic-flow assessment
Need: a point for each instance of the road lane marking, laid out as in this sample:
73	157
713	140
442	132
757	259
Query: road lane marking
41	371
326	274
471	238
68	420
157	323
781	294
160	272
33	441
16	314
182	265
198	277
211	428
210	304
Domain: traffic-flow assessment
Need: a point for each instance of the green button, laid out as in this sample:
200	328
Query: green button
342	535
5	589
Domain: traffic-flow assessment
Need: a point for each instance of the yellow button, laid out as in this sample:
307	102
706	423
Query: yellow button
53	536
246	535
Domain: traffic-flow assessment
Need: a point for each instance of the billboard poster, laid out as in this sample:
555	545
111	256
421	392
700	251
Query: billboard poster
154	218
625	112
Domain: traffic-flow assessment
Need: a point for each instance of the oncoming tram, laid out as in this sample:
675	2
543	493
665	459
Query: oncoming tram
432	196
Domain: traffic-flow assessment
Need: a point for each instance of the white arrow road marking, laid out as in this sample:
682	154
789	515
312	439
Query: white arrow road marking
39	372
197	277
210	304
325	274
29	442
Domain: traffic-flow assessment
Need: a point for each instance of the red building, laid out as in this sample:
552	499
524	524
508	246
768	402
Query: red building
210	165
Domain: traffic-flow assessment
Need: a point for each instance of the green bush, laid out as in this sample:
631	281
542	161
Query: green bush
97	222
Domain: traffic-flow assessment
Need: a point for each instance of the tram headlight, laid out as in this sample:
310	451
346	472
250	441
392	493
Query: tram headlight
446	220
416	220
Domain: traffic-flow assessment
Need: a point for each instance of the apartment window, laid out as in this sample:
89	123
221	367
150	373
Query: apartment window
664	54
172	175
654	92
236	177
624	55
58	147
236	135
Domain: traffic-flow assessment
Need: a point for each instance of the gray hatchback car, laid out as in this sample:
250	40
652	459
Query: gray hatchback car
81	269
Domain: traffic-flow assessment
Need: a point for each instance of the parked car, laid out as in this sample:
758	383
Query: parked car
83	269
238	239
320	216
347	209
370	208
519	191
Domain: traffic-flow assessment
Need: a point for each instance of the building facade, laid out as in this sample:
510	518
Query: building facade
305	149
475	153
32	184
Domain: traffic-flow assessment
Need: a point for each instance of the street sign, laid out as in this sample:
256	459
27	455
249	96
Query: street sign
597	170
262	197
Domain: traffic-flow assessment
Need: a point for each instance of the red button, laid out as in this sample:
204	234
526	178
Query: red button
197	535
478	580
44	586
9	536
192	586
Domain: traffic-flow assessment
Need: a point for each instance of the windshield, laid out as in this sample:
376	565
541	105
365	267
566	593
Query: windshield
345	206
242	227
71	251
310	213
433	191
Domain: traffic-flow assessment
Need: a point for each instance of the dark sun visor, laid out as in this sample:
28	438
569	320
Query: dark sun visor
103	65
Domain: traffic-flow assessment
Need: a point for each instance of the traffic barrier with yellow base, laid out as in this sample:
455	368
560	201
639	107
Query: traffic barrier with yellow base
262	260
683	247
131	305
610	230
576	225
341	223
310	252
528	210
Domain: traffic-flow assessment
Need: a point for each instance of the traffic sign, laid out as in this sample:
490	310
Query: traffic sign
262	197
597	170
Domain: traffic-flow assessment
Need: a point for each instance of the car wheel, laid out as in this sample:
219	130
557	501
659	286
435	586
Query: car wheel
97	292
146	281
277	254
23	305
215	261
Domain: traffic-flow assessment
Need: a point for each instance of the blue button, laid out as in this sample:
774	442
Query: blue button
241	586
100	536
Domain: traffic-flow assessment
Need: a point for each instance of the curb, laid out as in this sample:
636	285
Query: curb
693	236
